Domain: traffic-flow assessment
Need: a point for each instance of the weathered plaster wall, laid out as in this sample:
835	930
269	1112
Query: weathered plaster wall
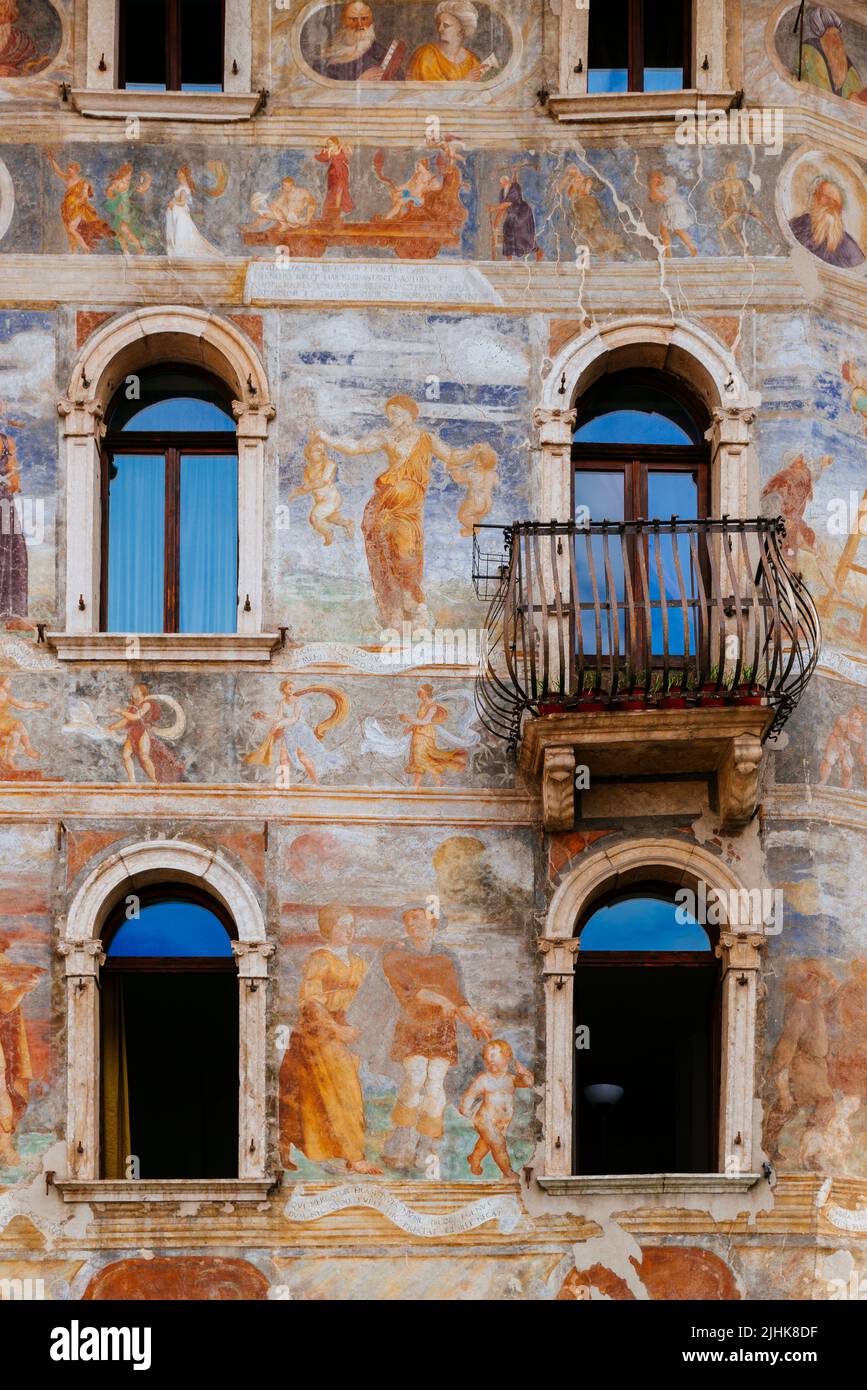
373	831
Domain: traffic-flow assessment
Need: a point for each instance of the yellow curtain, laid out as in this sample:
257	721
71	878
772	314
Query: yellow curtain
116	1141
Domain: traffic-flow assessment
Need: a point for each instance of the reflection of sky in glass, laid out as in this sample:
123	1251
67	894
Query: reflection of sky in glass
663	79
172	928
602	493
181	413
671	494
631	427
136	541
642	924
607	80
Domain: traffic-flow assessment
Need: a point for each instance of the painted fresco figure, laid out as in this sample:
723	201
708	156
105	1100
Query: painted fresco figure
292	741
183	238
428	989
13	735
675	217
320	483
13	546
354	54
84	227
587	221
292	207
393	522
338	199
426	757
821	228
799	1064
793	488
846	748
856	378
320	1097
144	744
122	212
731	197
826	63
449	59
16	1072
516	220
490	1101
19	55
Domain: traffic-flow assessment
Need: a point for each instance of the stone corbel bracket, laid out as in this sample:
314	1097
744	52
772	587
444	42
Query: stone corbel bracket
726	745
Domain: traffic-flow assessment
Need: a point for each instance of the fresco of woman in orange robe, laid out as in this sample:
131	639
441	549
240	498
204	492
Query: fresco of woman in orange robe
448	60
85	229
393	522
321	1104
425	754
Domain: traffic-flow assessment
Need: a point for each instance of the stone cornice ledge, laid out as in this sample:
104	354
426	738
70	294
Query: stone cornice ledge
164	646
136	1191
629	1184
634	106
119	104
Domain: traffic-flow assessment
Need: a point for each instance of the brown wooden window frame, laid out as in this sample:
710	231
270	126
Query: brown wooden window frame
173	44
636	64
172	447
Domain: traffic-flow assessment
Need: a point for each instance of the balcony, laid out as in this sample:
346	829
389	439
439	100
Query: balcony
642	649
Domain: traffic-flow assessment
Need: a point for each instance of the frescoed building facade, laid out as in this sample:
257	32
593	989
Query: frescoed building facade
332	616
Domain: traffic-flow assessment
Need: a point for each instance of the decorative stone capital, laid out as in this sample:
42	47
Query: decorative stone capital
732	426
554	426
81	417
738	780
559	953
739	952
83	957
253	418
558	789
252	958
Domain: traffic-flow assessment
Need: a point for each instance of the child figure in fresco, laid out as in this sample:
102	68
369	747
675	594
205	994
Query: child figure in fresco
320	483
856	378
479	477
492	1097
13	735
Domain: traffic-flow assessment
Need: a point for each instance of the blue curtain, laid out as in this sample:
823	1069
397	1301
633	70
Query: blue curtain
136	543
209	543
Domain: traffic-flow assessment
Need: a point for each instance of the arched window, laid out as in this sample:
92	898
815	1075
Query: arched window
170	506
639	452
639	46
646	1084
169	1038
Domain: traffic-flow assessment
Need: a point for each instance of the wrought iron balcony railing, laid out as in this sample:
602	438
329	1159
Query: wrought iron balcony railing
641	614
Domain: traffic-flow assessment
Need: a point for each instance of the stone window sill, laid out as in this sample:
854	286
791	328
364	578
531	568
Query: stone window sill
137	1191
634	106
626	1184
119	104
164	646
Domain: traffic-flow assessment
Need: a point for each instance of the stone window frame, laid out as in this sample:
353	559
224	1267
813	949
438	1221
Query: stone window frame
134	867
739	949
675	345
121	347
98	64
711	84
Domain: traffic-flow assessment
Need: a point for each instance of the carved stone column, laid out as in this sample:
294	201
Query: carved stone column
252	432
730	437
559	977
83	429
83	959
741	961
252	958
554	498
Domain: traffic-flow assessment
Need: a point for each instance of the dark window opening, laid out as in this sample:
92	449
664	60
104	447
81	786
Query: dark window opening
171	45
169	1040
646	1087
170	506
639	46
